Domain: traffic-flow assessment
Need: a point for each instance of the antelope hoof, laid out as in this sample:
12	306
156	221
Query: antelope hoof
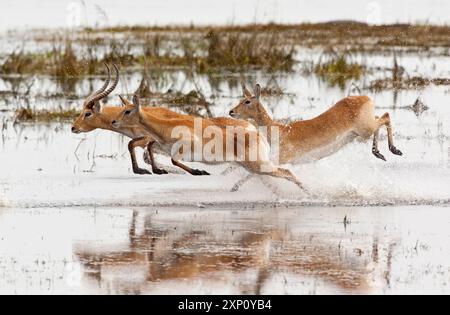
141	171
235	188
305	190
379	155
395	151
200	173
159	171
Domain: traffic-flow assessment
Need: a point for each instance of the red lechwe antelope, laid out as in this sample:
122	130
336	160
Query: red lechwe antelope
309	140
95	116
254	156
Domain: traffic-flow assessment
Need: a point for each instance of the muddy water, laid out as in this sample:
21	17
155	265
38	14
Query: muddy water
223	250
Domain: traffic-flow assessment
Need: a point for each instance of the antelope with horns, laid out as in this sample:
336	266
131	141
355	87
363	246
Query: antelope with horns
164	130
95	116
309	140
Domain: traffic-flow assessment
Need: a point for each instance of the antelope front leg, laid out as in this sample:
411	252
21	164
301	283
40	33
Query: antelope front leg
229	170
287	174
191	171
155	168
241	182
139	142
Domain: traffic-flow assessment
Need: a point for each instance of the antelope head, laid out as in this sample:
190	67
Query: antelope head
249	108
91	116
129	116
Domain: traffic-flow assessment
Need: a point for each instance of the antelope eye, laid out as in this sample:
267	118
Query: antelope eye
88	114
247	102
127	112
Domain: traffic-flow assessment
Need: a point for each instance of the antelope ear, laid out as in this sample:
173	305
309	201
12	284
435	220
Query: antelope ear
136	103
97	107
245	91
257	91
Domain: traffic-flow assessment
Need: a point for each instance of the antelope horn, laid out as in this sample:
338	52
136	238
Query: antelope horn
105	85
109	90
124	101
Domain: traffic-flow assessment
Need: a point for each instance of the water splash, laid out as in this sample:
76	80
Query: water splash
3	201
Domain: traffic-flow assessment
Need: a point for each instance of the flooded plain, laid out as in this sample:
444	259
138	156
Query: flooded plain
75	219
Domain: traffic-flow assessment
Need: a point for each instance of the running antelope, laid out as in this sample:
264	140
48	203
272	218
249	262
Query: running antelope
309	140
252	155
95	116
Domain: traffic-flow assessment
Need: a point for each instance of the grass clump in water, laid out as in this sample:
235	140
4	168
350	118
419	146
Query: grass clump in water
21	63
72	57
58	62
237	50
338	70
30	115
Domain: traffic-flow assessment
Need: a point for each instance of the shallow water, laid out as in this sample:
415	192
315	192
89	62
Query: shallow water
47	166
306	250
42	156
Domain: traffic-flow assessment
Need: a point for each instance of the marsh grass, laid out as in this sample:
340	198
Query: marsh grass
400	80
59	62
19	62
72	57
179	99
30	115
339	69
343	35
406	83
248	51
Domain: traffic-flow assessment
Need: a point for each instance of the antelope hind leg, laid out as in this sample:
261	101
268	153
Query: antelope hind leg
386	121
375	150
191	171
151	157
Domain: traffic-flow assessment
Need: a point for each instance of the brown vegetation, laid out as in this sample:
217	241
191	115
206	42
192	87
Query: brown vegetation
28	114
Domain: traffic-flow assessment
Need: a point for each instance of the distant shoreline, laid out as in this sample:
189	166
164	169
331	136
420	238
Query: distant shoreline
233	27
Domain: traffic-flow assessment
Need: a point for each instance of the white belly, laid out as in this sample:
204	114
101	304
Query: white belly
324	151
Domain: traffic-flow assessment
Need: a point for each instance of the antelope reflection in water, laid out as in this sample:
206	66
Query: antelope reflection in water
246	254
